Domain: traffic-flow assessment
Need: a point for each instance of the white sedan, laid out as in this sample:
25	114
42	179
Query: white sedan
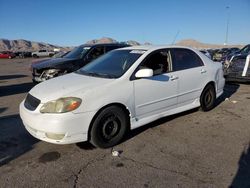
120	91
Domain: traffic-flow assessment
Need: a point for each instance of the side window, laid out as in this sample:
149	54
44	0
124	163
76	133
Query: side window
95	53
159	61
185	59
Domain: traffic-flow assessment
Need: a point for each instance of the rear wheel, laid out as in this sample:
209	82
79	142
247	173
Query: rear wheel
208	98
109	127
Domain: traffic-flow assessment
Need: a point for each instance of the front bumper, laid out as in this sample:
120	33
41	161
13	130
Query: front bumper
236	76
63	128
230	78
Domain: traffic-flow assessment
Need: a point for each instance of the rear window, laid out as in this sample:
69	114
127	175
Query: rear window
185	59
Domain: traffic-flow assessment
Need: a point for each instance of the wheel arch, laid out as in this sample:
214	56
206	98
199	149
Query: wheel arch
120	105
210	83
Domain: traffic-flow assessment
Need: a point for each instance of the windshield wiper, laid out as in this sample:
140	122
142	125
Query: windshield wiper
107	75
95	74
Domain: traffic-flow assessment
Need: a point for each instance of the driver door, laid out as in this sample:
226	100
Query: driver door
158	93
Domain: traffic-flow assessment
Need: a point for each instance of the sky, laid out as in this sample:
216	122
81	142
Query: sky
73	22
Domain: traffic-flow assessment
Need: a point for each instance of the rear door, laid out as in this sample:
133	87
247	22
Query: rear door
191	74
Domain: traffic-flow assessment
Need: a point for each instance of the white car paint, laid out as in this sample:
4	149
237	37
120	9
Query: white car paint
145	99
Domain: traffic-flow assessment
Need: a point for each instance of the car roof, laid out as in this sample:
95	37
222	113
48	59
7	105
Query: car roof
105	44
153	47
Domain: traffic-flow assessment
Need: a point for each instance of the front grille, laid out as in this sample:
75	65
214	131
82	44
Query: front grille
31	102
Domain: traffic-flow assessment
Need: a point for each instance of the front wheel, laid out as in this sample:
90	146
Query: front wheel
109	127
208	98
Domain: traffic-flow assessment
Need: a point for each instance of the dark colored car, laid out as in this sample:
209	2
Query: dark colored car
213	52
238	54
57	55
233	70
223	53
230	51
7	54
23	54
74	60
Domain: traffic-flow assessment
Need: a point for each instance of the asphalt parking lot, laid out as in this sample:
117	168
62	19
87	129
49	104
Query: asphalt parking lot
191	149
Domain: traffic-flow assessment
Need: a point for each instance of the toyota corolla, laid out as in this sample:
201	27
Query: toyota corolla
120	91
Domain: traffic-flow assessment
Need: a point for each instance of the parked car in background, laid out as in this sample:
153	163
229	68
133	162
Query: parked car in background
122	90
7	54
220	54
213	52
206	52
43	53
223	53
57	55
229	52
238	69
23	54
238	54
73	61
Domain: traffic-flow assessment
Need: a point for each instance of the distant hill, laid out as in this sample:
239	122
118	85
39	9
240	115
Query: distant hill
110	40
196	44
102	40
25	45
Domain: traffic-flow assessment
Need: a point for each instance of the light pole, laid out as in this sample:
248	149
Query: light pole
226	39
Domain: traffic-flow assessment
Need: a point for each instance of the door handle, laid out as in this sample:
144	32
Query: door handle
172	78
203	71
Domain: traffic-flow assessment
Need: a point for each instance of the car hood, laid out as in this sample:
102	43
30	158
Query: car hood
53	63
67	86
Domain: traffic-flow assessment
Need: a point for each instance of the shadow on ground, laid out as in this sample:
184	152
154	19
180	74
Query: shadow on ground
242	177
229	90
14	76
14	139
156	123
3	109
15	89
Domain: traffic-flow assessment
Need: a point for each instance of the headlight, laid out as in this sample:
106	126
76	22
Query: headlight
51	71
61	105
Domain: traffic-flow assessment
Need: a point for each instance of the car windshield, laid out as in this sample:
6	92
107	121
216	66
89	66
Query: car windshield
111	65
246	49
78	52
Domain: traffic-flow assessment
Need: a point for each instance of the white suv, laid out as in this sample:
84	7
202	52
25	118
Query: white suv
42	53
122	90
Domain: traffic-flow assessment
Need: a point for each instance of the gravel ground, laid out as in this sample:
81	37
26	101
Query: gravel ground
191	149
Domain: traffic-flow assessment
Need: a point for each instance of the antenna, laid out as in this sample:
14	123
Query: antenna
175	37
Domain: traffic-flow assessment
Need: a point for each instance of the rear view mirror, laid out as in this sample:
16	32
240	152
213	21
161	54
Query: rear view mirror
144	73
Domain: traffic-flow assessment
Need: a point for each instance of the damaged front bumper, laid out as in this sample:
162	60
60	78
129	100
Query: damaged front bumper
43	75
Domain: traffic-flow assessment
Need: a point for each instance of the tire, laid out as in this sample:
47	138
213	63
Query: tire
35	56
109	127
208	98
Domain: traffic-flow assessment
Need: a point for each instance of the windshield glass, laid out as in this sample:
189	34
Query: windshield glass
246	49
111	65
77	52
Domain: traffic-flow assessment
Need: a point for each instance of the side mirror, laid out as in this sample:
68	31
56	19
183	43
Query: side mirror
144	73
